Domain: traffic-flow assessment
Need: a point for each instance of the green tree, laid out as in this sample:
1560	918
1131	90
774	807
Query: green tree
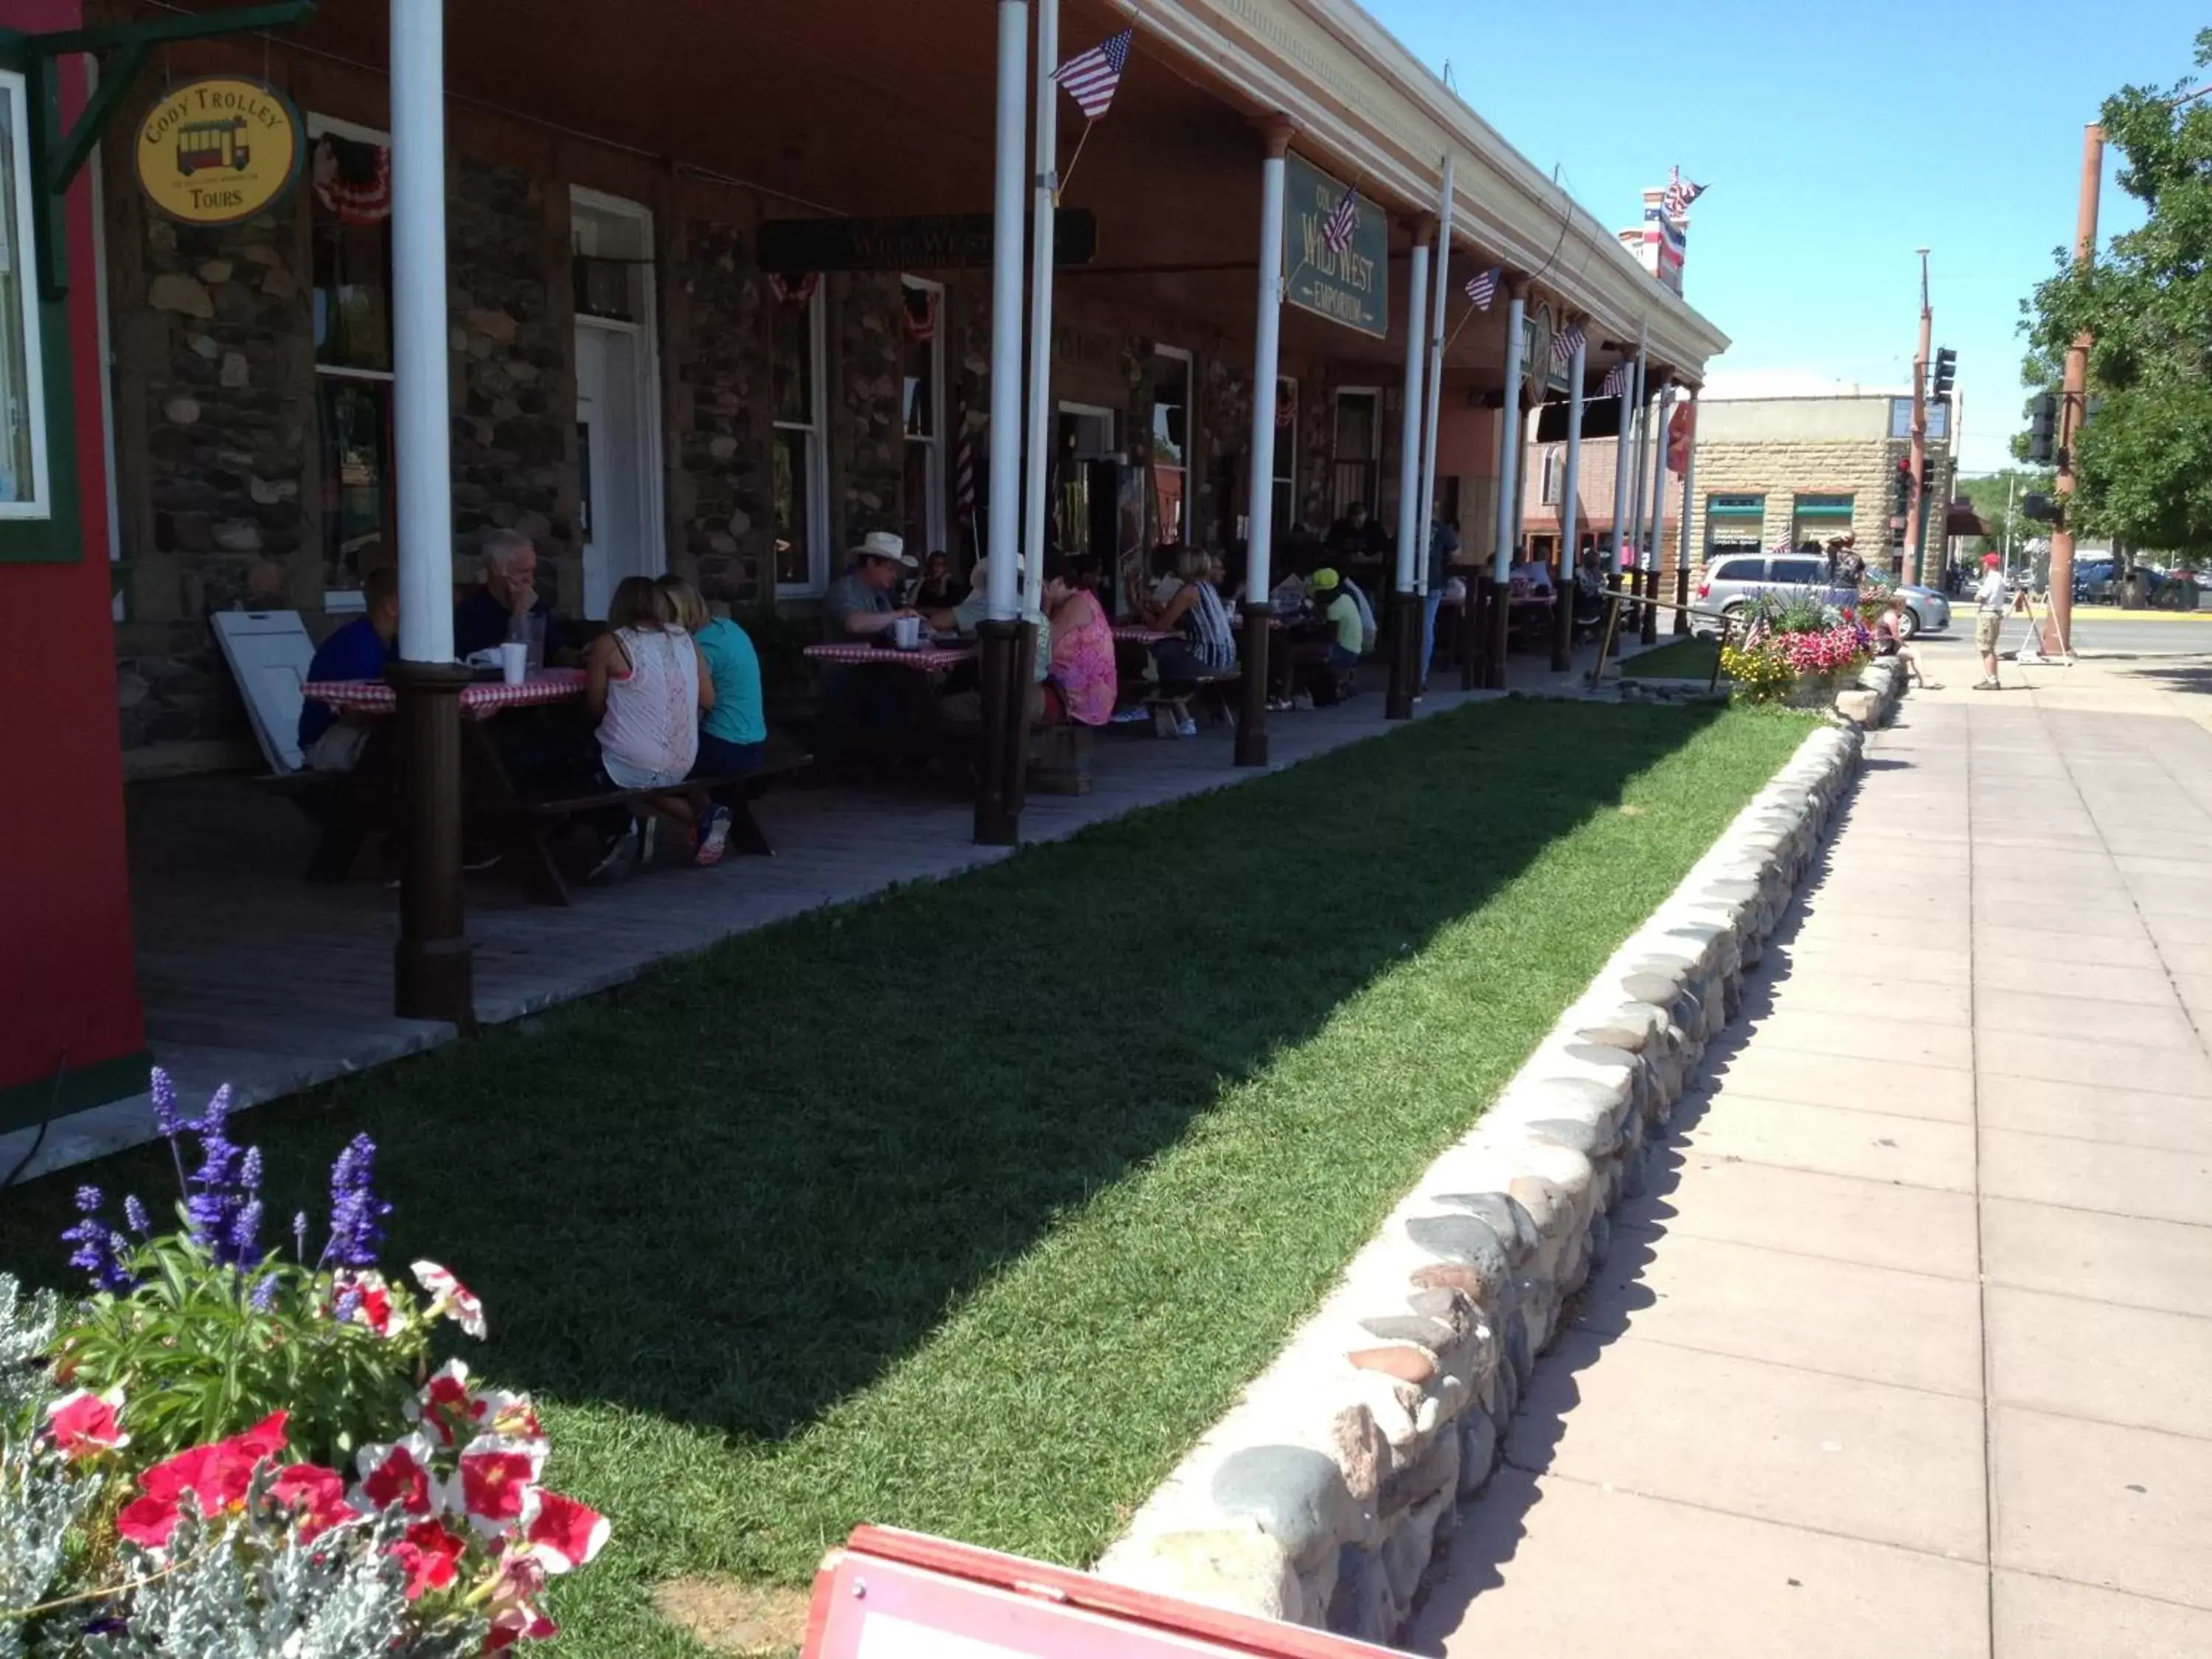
2143	466
1997	498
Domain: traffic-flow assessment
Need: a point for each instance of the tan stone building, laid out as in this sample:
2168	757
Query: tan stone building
1769	472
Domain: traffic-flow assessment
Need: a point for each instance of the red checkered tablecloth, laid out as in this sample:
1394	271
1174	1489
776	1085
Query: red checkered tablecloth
928	659
1138	633
376	696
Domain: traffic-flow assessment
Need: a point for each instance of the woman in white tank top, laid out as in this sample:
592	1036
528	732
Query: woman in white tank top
646	686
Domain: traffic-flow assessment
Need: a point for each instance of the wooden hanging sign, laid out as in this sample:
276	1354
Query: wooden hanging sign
218	150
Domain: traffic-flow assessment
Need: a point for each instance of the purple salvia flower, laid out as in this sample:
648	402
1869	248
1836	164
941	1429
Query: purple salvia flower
249	1172
213	1208
98	1252
134	1216
299	1238
264	1293
356	1213
244	1230
88	1200
166	1120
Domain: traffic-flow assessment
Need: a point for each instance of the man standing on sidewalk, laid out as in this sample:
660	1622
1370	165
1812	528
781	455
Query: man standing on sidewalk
1989	619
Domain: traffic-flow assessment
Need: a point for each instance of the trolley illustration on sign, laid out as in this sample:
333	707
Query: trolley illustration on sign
221	143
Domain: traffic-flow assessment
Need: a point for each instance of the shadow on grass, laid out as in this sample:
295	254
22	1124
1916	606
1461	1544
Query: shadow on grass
737	1191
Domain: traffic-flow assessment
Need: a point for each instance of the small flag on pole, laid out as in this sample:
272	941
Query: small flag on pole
1565	346
1483	289
1680	192
1091	77
1343	219
1616	381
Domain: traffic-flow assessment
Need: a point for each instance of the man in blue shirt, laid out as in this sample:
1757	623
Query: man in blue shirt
330	741
483	621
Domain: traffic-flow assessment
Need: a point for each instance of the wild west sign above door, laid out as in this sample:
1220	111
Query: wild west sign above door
1350	287
214	152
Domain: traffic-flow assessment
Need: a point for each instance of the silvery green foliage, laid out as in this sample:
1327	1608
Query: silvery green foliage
261	1594
27	1333
39	1501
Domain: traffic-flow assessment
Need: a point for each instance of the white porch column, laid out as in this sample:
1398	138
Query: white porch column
1413	514
1448	192
1623	448
1005	545
1259	505
1509	440
1044	187
421	414
1570	505
1005	725
1689	500
1631	452
1652	553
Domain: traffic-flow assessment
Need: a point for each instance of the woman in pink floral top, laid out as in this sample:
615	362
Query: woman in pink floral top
1082	678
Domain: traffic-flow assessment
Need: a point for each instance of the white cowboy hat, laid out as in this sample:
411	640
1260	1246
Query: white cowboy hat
882	544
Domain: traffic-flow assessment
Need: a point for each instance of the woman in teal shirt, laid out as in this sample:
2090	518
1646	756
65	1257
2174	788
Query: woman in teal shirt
733	733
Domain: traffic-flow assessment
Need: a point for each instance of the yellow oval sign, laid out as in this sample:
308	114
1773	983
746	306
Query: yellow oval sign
215	151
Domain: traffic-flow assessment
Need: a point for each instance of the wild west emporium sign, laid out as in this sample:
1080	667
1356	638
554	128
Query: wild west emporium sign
214	152
937	241
1349	287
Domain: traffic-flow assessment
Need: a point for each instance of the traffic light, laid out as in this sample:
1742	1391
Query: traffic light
2043	429
1946	372
1902	498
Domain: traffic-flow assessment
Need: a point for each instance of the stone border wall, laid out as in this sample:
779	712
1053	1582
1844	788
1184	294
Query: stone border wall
1325	1493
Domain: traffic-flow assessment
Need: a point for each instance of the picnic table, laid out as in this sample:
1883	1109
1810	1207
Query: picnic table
543	686
1137	633
928	658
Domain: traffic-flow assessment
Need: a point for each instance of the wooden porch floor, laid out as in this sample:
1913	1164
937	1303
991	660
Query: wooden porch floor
251	976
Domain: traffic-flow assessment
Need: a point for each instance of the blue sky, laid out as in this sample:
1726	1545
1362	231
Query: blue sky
1834	148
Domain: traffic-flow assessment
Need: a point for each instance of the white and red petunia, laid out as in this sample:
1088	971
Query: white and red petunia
370	1299
495	1481
449	1297
446	1407
85	1424
510	1414
316	1497
398	1476
515	1614
563	1533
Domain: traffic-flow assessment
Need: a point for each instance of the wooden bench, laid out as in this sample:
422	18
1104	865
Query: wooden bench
529	825
1172	703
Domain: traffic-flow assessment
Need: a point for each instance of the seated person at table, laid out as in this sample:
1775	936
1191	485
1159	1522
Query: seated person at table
494	613
1530	577
864	602
733	728
330	739
1084	685
1367	628
645	685
1326	594
965	708
1206	647
1356	536
939	589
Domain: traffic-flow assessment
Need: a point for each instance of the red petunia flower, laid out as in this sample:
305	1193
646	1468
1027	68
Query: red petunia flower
449	1297
446	1408
316	1497
515	1614
430	1551
563	1533
495	1480
85	1425
398	1476
215	1475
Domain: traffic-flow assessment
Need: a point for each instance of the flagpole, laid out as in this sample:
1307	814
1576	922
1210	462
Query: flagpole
1044	192
1069	172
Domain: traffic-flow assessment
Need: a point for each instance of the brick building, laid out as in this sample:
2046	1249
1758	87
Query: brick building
1770	471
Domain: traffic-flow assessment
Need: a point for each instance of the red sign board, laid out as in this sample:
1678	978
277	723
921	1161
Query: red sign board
890	1595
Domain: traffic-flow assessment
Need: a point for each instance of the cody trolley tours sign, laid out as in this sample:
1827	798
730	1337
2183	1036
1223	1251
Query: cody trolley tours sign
1346	287
214	152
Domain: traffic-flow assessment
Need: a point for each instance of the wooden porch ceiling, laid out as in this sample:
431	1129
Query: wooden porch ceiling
863	108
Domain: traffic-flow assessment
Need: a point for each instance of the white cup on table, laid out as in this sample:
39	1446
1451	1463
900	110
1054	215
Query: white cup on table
515	661
906	632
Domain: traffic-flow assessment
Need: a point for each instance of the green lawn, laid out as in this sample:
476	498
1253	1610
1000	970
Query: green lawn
1681	659
969	1207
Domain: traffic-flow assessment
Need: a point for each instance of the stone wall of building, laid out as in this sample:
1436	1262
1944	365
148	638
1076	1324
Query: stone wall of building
1865	469
719	498
513	420
867	422
1225	428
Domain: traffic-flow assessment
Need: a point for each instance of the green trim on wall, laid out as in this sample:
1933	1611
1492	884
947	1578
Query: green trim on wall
1824	506
57	538
25	1105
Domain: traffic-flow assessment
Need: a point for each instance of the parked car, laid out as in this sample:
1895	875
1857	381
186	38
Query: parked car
1737	580
1926	610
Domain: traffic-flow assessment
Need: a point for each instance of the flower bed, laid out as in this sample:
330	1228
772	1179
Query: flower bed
1799	654
231	1448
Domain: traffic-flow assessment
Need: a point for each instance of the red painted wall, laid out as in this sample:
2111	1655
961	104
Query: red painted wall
68	990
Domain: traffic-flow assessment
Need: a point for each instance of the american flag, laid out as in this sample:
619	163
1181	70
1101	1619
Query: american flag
1564	344
1616	381
1483	289
1680	192
1091	77
1343	219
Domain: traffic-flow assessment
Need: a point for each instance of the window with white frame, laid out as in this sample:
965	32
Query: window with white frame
1357	480
23	484
801	461
1170	445
349	229
1555	478
923	346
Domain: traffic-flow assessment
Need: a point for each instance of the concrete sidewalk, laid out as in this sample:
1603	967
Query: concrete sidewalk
1910	1349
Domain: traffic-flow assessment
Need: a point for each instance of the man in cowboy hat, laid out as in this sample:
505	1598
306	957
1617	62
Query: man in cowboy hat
864	600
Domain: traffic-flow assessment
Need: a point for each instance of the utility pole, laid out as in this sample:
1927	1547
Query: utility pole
2070	403
1917	514
2012	483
